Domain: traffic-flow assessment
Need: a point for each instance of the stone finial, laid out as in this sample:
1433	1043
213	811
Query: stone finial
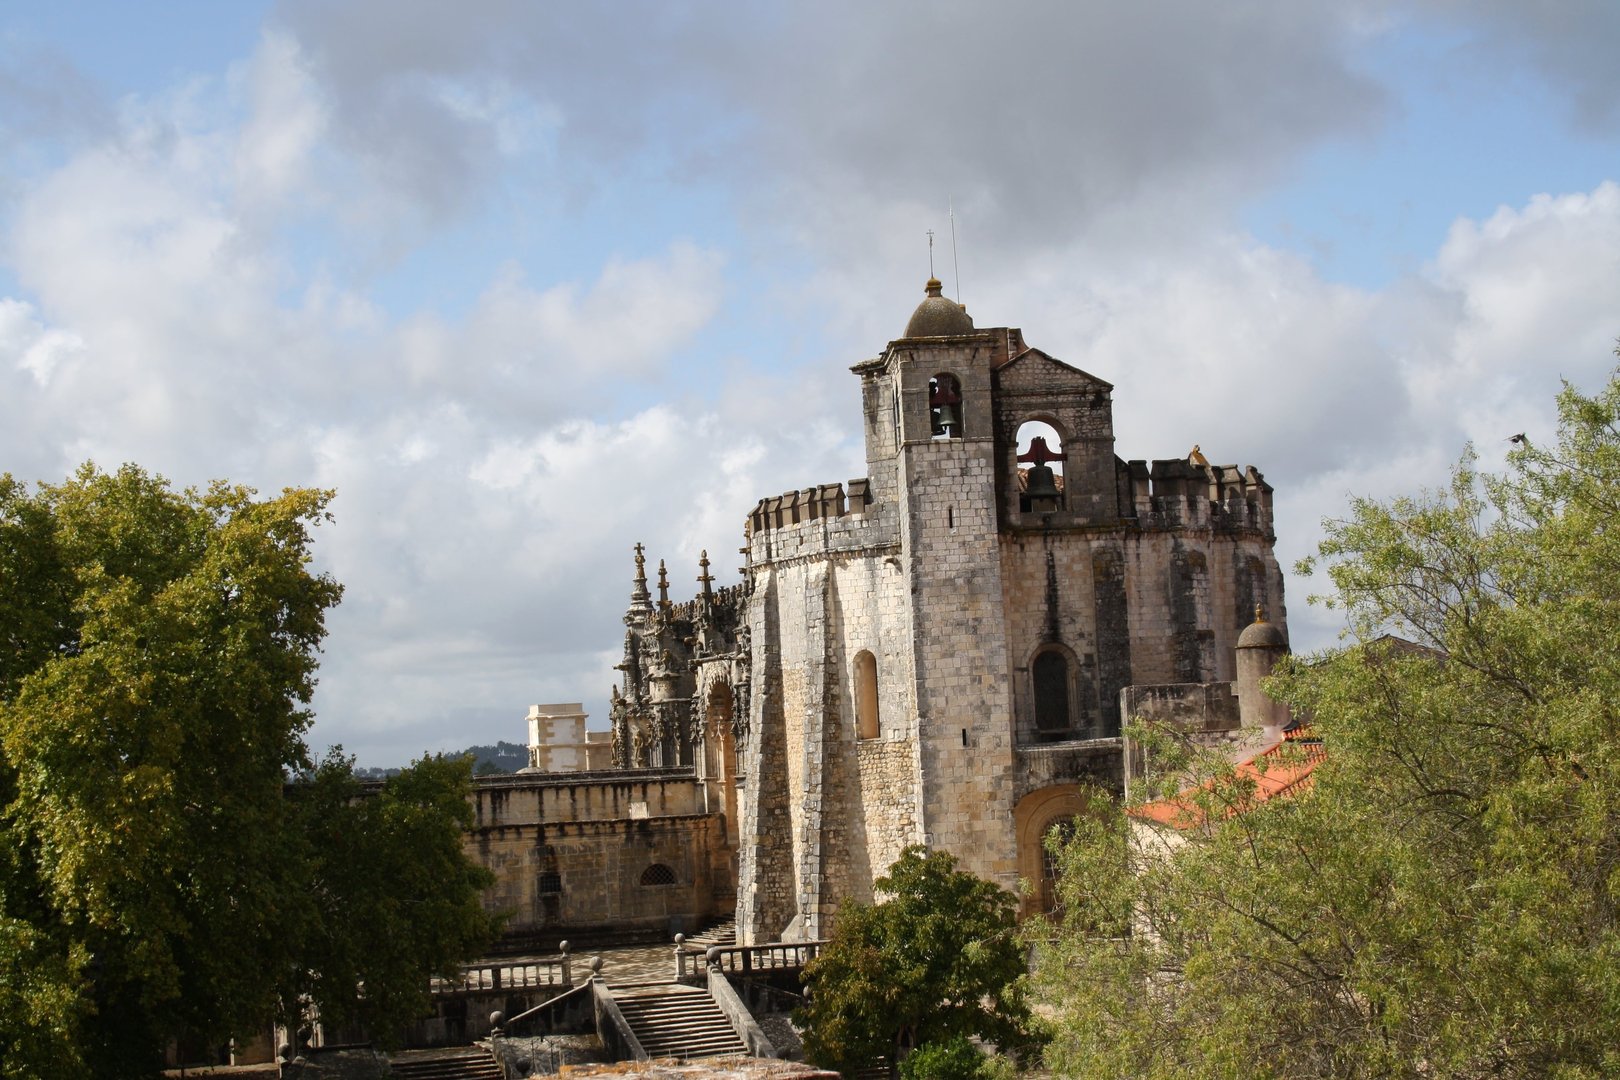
712	955
663	586
496	1019
596	966
706	578
639	596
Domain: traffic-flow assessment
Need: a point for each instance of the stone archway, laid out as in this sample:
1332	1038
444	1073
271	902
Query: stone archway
1037	814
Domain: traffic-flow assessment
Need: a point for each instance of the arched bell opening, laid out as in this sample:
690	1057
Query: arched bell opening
1040	471
945	406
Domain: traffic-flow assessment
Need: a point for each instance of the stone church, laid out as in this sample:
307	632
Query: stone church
937	652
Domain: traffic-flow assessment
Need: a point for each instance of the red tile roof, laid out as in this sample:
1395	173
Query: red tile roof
1284	768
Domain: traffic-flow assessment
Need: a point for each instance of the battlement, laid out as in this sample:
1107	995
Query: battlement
1179	493
795	507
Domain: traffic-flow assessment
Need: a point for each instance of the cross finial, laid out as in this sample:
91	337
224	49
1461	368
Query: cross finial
930	252
638	592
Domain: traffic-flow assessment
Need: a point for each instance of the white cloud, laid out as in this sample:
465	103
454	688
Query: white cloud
497	456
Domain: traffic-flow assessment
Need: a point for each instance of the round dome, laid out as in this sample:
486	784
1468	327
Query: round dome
1261	634
937	316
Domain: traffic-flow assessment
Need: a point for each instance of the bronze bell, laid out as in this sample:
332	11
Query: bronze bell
1041	488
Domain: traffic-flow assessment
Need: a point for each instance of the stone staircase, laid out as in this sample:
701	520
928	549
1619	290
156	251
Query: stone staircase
678	1022
721	934
457	1063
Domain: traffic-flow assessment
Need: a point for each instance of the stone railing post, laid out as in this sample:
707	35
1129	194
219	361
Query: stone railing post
567	972
680	957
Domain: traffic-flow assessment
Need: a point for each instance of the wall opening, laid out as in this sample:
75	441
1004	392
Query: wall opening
550	882
1040	468
1050	673
945	406
866	695
658	874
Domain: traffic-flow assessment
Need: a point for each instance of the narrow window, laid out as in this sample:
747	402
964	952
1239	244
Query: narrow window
658	874
1051	675
945	407
866	695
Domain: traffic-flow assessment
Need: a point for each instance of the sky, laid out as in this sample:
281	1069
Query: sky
527	283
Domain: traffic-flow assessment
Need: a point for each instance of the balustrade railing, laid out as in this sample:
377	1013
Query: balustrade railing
744	960
548	974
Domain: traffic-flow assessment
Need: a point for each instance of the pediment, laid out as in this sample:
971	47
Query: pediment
1035	367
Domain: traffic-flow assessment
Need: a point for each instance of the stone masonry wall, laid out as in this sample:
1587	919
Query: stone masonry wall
569	852
965	737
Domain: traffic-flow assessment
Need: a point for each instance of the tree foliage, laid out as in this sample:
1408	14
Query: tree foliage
1443	902
397	901
938	957
158	652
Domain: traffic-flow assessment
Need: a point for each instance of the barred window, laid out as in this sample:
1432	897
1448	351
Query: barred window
658	874
550	882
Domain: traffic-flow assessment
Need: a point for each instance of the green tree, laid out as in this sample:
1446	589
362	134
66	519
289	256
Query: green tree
1444	901
158	652
398	901
938	957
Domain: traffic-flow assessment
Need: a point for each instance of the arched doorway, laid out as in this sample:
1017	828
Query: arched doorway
1037	815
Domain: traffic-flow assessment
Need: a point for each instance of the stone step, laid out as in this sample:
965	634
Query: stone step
468	1063
680	1022
719	934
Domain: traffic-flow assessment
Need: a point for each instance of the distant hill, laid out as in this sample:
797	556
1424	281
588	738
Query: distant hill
503	757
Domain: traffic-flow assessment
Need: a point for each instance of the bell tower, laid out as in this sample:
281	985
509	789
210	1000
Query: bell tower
946	478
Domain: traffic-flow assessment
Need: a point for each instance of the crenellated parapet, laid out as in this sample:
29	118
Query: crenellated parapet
810	504
1182	494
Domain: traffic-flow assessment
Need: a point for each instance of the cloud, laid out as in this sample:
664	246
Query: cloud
1569	42
224	278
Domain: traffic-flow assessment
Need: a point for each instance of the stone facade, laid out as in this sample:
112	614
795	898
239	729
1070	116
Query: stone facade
936	653
601	855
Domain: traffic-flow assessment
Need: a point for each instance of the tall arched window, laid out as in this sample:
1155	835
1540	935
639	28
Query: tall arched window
866	695
945	407
1051	676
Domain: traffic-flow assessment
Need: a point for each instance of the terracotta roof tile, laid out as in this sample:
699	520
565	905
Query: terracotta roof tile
1272	776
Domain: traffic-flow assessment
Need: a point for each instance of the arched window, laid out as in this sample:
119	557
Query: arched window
658	874
1040	471
945	407
1051	676
866	695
